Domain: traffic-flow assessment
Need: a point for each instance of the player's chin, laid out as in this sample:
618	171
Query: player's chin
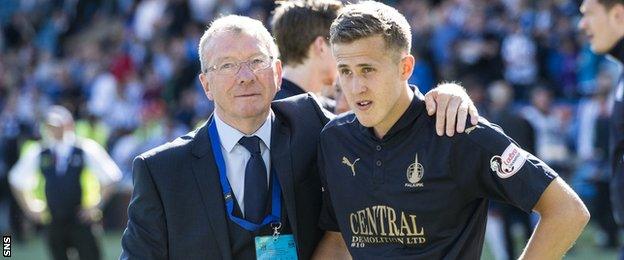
365	120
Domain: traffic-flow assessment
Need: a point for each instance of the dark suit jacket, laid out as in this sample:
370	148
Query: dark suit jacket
289	89
177	209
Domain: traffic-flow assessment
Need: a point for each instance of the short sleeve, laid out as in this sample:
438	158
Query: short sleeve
23	175
504	171
98	160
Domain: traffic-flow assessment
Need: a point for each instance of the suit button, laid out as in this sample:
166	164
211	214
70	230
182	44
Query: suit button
378	148
378	163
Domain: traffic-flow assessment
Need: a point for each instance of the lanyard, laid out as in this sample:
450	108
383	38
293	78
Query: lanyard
276	204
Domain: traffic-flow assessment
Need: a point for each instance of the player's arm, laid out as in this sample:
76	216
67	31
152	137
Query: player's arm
451	104
331	246
562	218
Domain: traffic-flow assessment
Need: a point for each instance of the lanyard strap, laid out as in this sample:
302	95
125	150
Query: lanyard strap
276	202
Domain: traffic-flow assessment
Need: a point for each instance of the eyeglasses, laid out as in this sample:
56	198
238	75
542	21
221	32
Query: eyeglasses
230	68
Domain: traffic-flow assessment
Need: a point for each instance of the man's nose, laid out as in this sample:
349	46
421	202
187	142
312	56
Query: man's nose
245	74
358	85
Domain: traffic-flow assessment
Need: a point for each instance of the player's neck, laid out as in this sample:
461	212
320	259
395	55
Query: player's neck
305	76
395	113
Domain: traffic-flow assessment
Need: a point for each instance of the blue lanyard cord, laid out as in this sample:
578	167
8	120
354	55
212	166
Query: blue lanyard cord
276	204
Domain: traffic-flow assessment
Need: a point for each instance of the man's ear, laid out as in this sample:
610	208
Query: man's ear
407	66
320	46
203	79
618	13
278	74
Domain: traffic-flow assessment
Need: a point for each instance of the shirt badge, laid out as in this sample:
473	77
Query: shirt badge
351	165
414	174
509	163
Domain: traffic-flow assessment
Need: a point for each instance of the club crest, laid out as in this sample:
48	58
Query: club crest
414	174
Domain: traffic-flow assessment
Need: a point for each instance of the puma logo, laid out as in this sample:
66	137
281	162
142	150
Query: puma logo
348	163
472	128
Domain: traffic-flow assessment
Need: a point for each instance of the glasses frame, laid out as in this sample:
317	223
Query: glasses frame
239	65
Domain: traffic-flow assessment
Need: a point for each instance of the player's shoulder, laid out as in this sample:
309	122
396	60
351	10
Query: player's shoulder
485	136
341	122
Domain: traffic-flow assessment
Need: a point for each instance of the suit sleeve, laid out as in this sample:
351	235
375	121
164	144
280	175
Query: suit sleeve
327	220
146	234
324	115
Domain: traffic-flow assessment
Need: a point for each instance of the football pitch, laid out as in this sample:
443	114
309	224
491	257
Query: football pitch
585	248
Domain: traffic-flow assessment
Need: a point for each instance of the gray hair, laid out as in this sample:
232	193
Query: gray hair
369	18
236	24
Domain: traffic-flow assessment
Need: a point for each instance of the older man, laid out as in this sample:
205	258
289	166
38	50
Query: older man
243	186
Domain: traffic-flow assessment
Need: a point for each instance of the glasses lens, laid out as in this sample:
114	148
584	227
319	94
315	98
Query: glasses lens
256	63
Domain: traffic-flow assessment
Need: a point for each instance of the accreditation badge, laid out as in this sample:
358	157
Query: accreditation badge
282	248
276	246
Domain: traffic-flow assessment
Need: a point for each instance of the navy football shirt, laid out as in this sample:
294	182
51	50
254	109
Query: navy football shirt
414	194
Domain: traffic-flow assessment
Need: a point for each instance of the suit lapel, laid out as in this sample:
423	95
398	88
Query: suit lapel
282	162
207	178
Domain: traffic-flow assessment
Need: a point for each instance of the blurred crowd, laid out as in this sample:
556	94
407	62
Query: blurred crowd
127	70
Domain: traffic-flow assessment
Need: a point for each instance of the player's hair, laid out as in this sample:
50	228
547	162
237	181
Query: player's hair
608	4
296	24
369	18
235	24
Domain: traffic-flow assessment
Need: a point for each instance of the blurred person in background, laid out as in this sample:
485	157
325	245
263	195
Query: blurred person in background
301	31
502	113
593	174
603	22
64	182
550	130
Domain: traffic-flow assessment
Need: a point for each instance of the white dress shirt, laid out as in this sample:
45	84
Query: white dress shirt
23	175
236	156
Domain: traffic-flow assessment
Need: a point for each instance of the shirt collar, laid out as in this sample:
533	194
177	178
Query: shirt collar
229	136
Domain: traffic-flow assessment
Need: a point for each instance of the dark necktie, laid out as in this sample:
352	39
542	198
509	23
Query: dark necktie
256	190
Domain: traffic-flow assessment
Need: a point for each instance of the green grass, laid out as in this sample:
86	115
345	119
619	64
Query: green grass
585	248
35	248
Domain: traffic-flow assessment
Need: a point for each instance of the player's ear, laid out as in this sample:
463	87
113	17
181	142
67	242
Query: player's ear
407	66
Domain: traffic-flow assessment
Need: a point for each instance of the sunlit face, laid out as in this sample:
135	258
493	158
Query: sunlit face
54	132
373	80
600	25
245	94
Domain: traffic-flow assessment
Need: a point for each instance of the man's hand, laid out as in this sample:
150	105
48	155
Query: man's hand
451	104
90	215
34	216
331	246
